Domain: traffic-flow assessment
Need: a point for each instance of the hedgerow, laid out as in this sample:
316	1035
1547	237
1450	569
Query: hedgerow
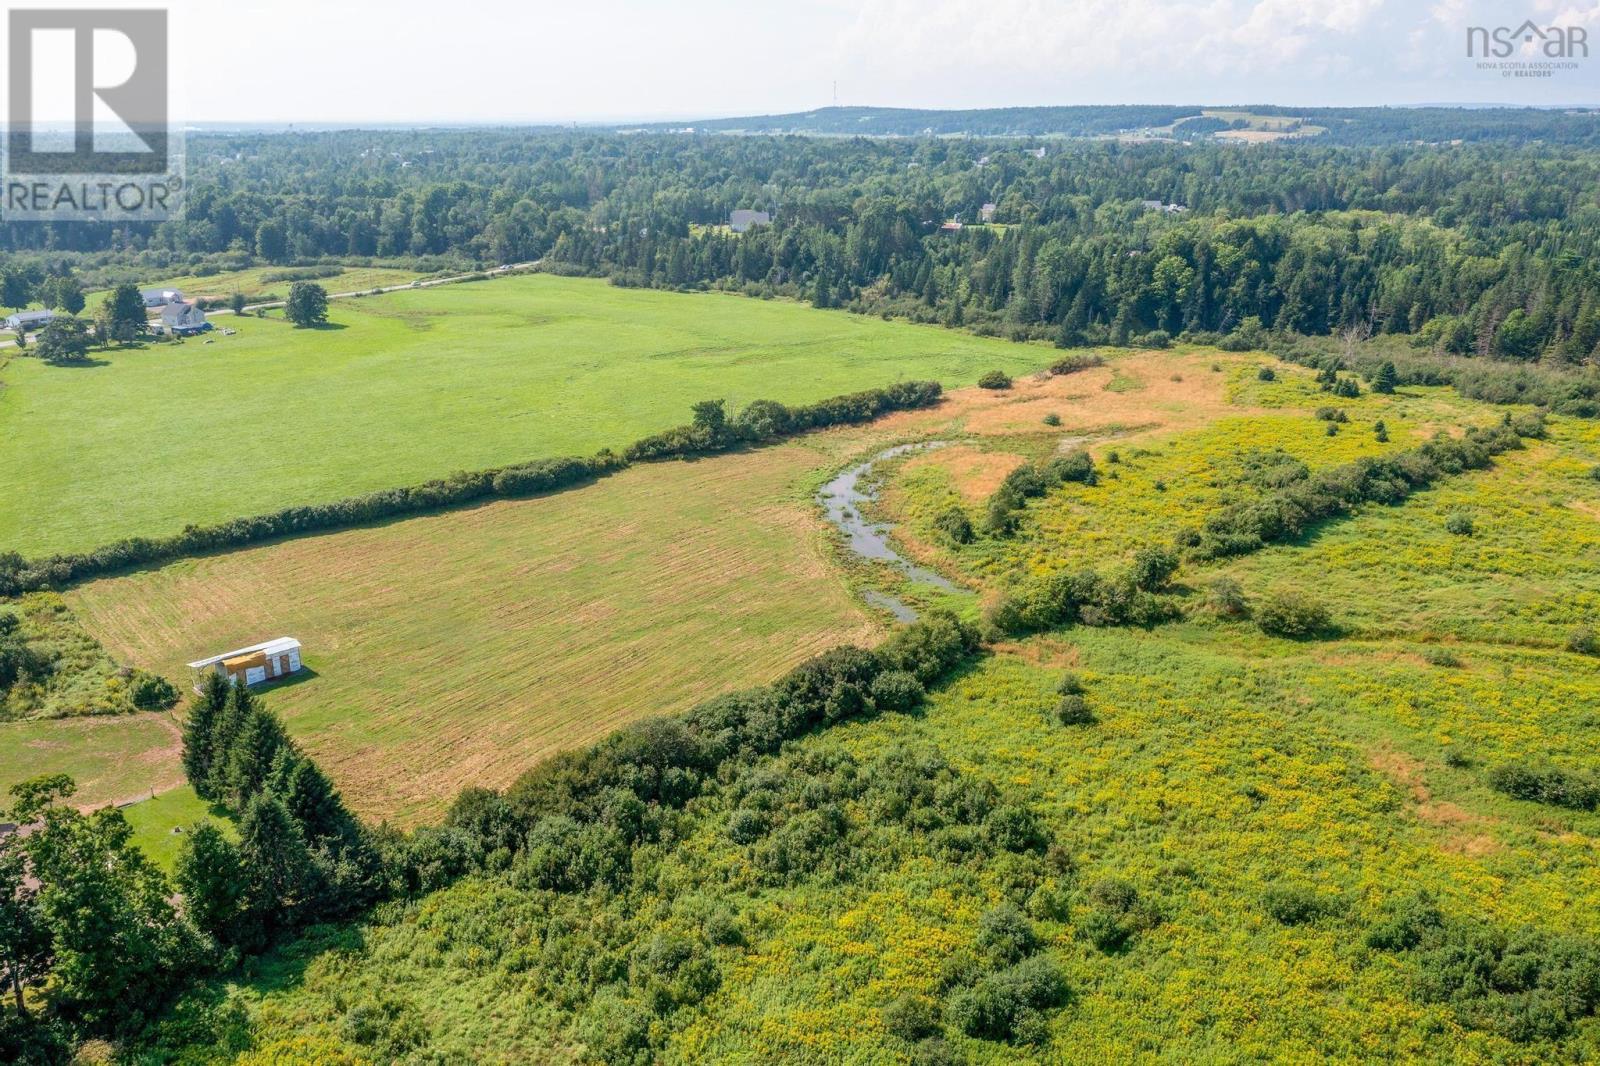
1307	498
761	422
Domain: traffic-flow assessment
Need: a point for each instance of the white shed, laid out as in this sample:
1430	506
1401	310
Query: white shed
254	665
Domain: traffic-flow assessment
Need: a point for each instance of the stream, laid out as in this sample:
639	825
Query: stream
843	498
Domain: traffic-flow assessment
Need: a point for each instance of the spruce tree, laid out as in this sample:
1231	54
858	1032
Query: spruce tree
199	733
277	862
212	877
251	754
1386	378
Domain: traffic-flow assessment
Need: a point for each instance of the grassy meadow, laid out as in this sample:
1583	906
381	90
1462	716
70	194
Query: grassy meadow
147	440
111	757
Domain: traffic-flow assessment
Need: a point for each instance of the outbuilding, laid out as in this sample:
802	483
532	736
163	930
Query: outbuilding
28	321
254	665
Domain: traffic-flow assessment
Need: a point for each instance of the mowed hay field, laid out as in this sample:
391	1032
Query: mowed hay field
414	385
463	648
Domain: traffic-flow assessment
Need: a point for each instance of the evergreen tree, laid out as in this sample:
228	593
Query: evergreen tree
199	733
1386	378
252	753
276	862
212	877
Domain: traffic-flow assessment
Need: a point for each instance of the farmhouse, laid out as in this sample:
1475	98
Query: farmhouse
160	297
986	213
28	320
184	319
741	220
252	665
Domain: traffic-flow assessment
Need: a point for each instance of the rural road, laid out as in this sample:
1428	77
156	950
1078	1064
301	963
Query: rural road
509	268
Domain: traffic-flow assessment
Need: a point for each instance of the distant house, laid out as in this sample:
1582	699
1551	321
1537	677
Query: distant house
253	665
28	321
986	213
741	220
1157	205
184	319
950	227
160	297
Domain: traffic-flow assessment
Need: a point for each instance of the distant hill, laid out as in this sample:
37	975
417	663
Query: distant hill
1344	125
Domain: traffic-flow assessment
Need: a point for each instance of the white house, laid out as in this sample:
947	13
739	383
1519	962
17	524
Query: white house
28	320
184	318
253	665
160	297
986	213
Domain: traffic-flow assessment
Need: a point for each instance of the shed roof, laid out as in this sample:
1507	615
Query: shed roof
271	647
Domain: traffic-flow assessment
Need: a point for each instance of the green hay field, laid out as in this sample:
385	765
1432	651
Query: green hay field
414	385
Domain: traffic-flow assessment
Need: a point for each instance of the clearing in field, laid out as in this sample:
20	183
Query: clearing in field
414	385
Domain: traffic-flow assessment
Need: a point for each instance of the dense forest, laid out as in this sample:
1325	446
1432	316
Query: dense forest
1477	248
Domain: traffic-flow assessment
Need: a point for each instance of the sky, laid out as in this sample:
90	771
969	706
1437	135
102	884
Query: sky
409	61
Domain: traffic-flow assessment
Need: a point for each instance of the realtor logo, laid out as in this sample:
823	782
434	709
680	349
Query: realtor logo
89	136
1551	42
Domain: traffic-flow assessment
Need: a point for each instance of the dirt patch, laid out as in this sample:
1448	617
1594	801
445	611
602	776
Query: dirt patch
1587	507
1406	771
974	473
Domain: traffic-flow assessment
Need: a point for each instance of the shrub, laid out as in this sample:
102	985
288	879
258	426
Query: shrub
1052	419
1459	523
1457	759
1266	373
1153	568
1071	364
1071	685
954	525
911	1018
746	826
1073	709
1006	936
1544	783
896	690
1292	904
1225	599
1014	827
152	692
1583	641
1404	923
1437	656
1107	931
995	379
1006	1005
1380	432
615	1029
1114	894
1292	614
1594	473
